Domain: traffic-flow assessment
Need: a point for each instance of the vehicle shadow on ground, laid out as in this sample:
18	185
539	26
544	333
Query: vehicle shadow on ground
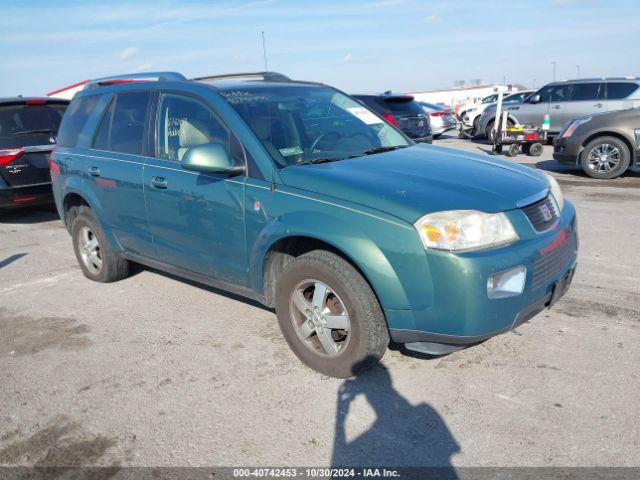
403	435
29	215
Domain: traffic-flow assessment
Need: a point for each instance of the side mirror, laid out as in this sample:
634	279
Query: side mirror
535	99
209	158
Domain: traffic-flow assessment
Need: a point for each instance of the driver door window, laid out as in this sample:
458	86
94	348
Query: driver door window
185	122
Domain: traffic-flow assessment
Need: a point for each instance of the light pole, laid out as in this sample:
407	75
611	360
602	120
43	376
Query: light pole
578	70
554	70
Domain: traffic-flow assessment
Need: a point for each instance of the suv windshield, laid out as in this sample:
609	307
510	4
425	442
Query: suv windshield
300	124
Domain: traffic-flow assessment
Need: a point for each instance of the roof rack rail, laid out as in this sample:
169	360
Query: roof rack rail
266	76
136	77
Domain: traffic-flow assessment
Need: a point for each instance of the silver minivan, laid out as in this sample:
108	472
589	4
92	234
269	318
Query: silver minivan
567	100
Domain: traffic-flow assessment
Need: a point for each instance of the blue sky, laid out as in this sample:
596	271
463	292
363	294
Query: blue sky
359	46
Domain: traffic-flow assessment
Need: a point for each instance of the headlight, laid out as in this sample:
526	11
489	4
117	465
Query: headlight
459	230
571	126
556	192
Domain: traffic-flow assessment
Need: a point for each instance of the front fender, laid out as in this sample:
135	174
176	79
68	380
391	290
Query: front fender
391	257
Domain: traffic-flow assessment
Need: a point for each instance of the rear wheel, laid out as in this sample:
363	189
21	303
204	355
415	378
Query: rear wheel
489	132
513	150
329	315
96	260
535	149
605	158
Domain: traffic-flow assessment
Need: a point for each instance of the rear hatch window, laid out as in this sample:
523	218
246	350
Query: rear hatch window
402	105
26	124
28	130
409	115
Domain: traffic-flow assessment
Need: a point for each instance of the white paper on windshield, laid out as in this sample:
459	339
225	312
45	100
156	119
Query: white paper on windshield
365	115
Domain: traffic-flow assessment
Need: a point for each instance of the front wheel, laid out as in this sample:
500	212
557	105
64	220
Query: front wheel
605	158
329	315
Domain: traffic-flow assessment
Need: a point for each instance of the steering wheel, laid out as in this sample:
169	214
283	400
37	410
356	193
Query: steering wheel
316	141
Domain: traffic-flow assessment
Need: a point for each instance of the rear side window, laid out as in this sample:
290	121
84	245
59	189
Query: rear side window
123	125
74	120
620	90
586	91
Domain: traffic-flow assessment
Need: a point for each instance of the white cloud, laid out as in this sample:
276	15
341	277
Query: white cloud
128	53
347	58
433	18
143	67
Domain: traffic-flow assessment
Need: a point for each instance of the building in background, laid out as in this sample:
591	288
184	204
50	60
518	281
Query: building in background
458	98
67	92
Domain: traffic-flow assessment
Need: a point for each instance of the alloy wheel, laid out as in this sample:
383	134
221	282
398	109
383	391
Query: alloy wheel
603	158
89	249
320	318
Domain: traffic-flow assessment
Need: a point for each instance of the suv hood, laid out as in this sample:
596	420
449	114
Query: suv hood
411	182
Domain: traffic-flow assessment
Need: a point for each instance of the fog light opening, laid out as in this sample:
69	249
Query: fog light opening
507	283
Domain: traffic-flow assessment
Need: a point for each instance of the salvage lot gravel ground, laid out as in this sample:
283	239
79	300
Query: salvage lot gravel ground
157	371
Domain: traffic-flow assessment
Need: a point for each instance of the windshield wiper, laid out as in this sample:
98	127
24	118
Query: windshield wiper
328	159
28	132
383	149
324	160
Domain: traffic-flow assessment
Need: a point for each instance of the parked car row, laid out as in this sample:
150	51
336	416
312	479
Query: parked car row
301	197
568	100
593	123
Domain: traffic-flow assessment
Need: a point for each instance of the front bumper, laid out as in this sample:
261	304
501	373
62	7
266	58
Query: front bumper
463	314
16	197
566	150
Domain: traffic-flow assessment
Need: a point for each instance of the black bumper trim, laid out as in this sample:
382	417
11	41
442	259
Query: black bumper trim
42	193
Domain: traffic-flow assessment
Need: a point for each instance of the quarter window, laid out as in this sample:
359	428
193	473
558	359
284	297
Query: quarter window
620	90
104	132
185	122
74	120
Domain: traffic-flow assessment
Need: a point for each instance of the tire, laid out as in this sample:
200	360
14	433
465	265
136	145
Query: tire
593	166
513	150
356	348
488	129
535	149
86	230
476	124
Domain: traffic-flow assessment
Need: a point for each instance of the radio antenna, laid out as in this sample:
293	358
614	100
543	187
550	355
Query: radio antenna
264	52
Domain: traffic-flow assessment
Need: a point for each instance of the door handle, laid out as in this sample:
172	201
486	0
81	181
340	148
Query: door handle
94	171
159	182
556	107
598	105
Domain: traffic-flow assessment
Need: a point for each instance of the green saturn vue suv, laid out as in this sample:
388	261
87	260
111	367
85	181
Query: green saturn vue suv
296	195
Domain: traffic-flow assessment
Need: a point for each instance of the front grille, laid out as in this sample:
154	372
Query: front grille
542	214
554	258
